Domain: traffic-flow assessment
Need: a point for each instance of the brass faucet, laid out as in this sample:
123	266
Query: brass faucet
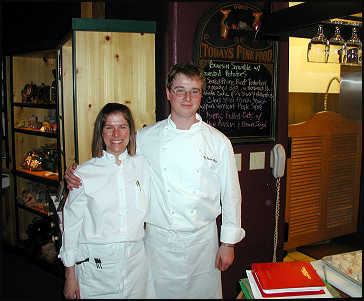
327	91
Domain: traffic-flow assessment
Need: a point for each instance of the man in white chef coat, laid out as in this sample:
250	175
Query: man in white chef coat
194	180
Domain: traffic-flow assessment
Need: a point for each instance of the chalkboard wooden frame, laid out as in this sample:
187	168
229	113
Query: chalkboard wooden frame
240	70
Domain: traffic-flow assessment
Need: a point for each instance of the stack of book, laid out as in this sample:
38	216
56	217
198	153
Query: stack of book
348	264
297	279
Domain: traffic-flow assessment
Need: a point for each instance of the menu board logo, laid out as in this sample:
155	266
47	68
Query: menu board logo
240	71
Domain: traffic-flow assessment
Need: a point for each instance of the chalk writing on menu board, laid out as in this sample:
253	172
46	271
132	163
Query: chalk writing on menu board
239	98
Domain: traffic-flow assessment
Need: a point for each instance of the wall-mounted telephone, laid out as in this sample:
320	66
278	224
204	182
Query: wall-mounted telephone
277	163
278	160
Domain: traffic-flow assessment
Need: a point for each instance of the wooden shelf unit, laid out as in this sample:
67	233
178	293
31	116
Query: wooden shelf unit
35	68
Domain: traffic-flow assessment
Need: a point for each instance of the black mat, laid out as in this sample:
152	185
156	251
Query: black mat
343	244
24	280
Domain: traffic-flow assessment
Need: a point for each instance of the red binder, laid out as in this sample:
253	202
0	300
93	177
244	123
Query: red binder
278	279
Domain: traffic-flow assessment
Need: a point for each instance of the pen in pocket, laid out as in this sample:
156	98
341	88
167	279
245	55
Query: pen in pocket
138	184
98	263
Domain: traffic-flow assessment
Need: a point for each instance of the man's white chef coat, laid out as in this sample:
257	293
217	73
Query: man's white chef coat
194	178
109	207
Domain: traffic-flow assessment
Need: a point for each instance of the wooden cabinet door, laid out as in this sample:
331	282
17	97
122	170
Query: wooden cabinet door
323	179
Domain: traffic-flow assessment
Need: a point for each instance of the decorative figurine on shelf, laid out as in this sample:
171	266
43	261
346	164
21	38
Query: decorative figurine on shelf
20	124
53	122
34	195
27	198
36	94
44	158
32	161
28	93
46	127
33	122
44	94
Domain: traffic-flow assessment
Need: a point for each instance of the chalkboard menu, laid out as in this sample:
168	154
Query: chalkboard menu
240	70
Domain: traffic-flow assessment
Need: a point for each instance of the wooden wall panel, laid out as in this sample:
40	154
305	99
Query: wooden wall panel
113	67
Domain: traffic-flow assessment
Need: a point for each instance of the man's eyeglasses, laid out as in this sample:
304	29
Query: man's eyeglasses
181	92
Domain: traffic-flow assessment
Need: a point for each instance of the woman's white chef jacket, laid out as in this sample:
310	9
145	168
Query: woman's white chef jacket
192	172
109	208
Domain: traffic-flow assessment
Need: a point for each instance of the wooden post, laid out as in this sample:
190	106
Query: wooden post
93	10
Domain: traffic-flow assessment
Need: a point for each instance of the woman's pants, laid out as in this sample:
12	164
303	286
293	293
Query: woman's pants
114	271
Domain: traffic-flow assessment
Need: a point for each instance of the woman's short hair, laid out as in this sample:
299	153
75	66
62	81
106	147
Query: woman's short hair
98	144
190	70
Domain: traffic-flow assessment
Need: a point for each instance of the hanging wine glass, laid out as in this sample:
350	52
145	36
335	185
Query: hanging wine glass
353	49
336	47
317	49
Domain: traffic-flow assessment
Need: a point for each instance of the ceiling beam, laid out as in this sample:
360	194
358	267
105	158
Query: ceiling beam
286	21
